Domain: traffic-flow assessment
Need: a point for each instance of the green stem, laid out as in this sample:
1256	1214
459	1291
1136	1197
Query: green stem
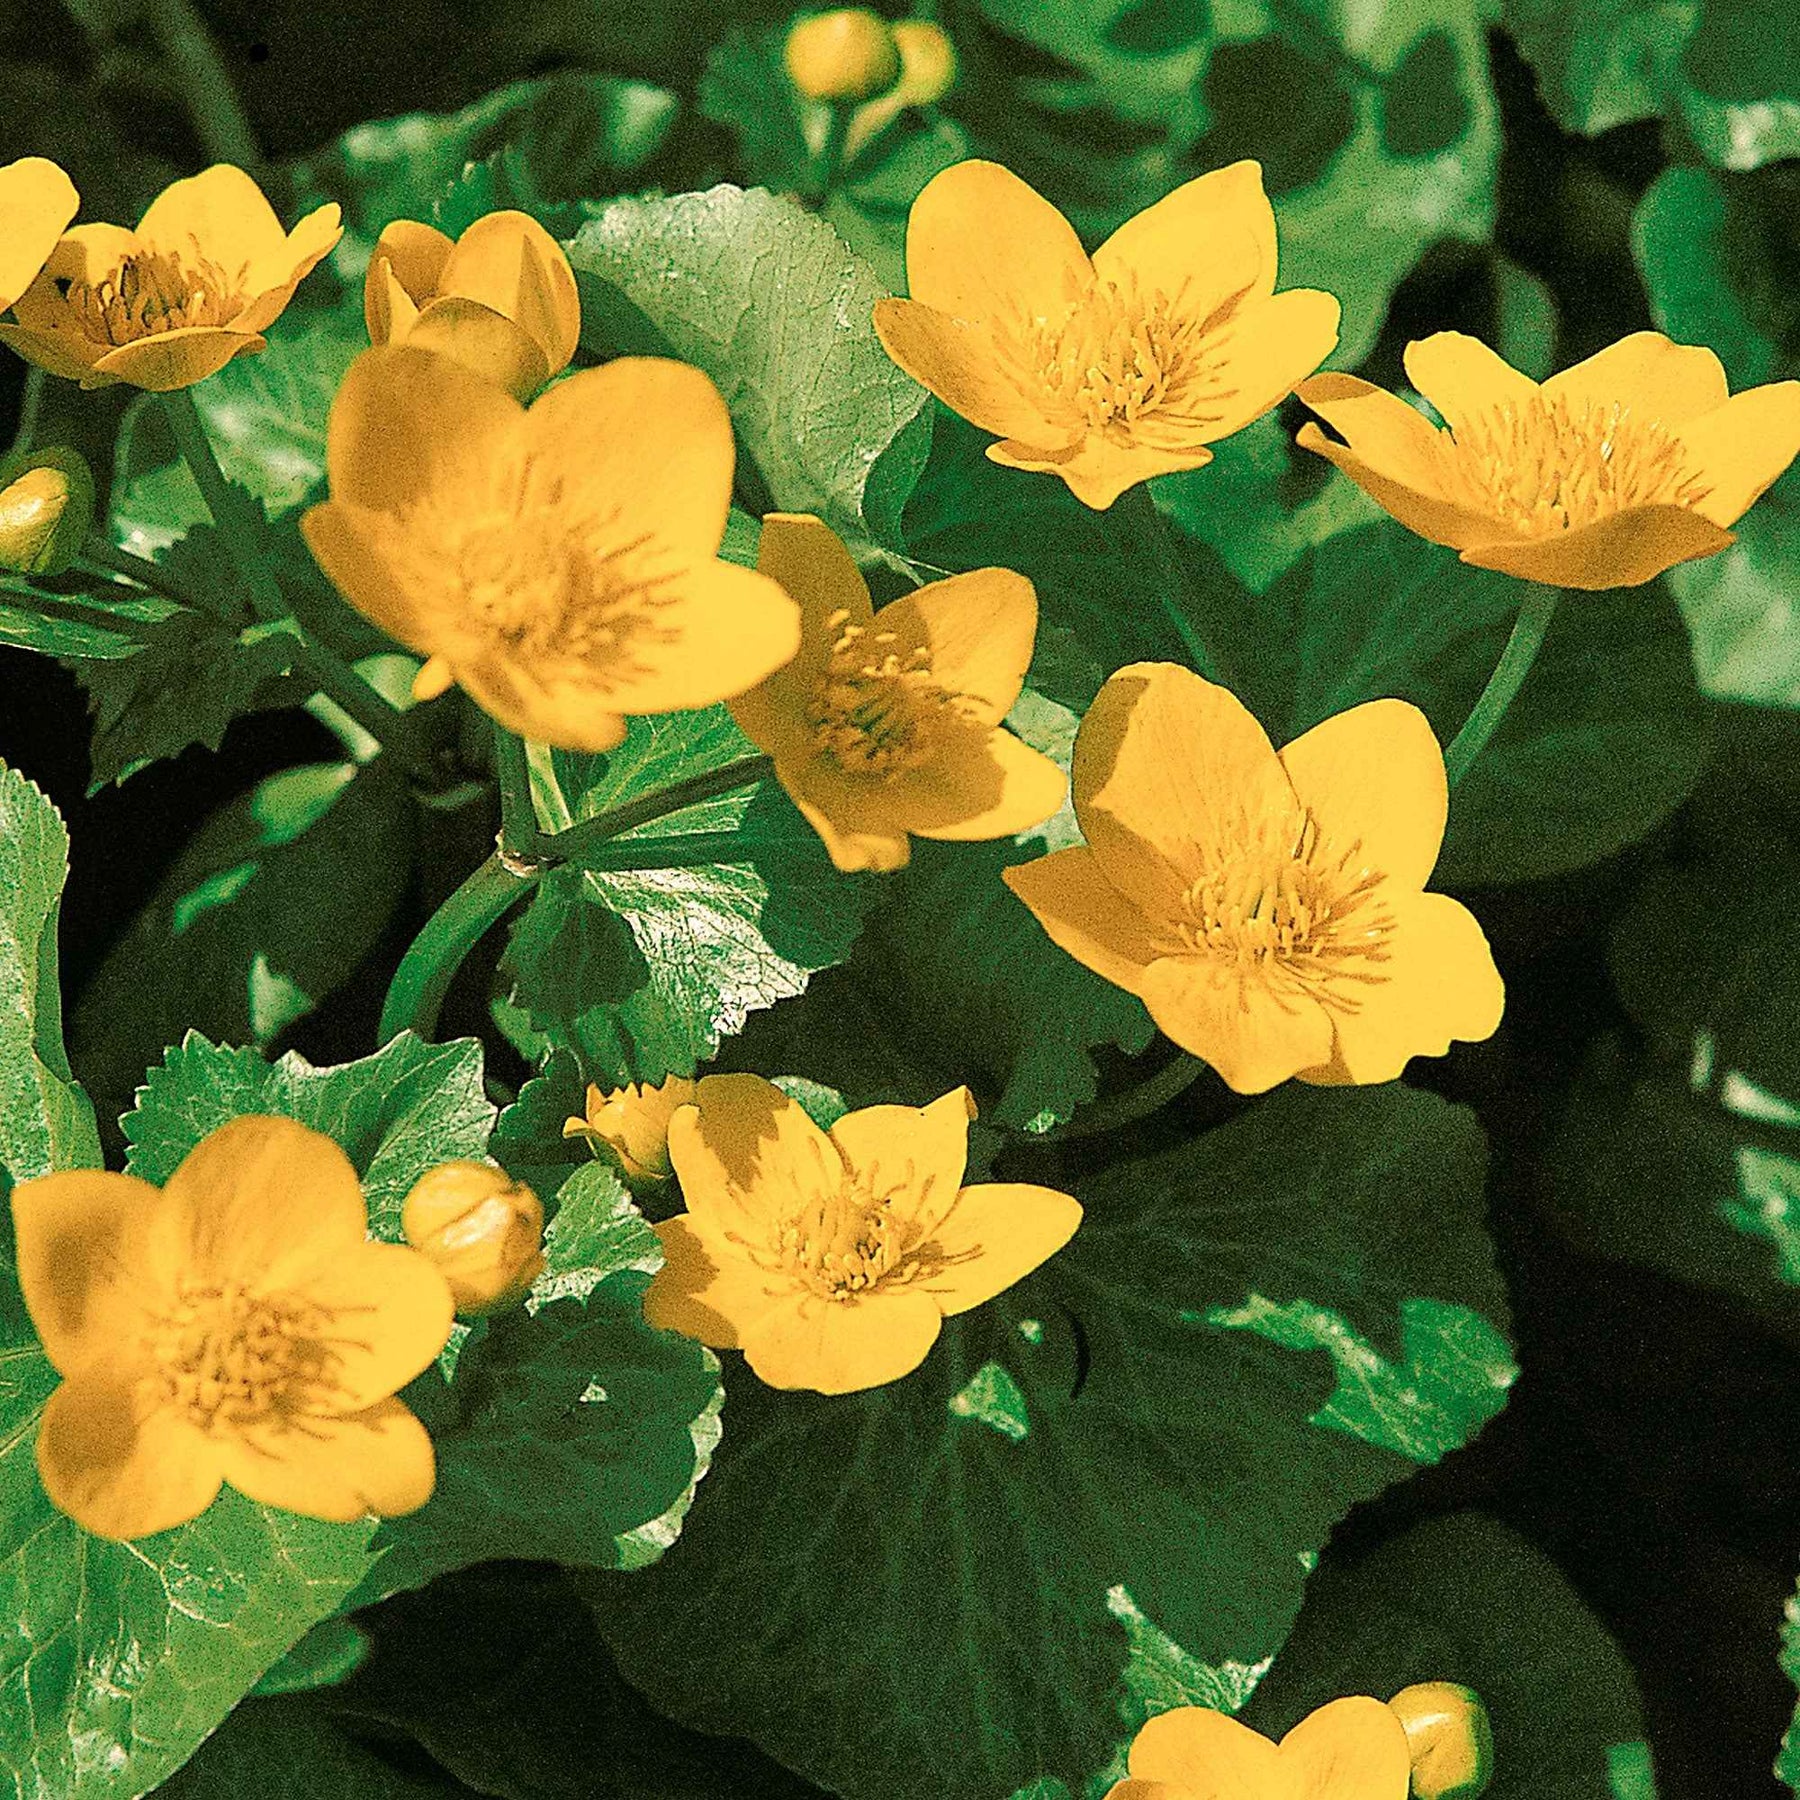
575	844
30	407
1144	524
828	159
98	557
1172	1079
416	994
519	834
233	511
1508	677
199	71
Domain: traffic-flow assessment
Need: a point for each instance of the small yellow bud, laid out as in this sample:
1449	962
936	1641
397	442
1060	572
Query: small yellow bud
632	1124
847	55
483	1230
1449	1739
927	61
46	507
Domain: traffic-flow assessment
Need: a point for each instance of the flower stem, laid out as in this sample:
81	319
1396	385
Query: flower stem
828	159
1144	523
574	844
30	407
98	557
199	71
1508	677
416	994
232	509
519	834
1172	1079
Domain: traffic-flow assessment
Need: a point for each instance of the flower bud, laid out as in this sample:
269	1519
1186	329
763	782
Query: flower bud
927	61
46	508
632	1125
846	55
1448	1738
483	1230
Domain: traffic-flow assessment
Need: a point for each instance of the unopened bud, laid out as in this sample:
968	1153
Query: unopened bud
927	61
1448	1738
483	1230
847	55
46	508
632	1125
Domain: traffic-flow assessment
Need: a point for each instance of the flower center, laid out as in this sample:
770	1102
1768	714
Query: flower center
1545	465
1289	910
222	1352
153	291
877	709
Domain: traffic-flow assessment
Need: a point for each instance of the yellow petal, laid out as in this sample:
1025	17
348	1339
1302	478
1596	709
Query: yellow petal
378	1461
841	1347
707	1288
1622	551
1207	1755
273	281
1133	1789
266	1200
1084	914
220	214
1743	446
172	359
392	1315
856	821
1374	776
511	264
995	1235
1167	767
961	364
1462	377
389	311
916	1153
359	552
744	1152
650	441
85	253
1254	1036
118	1466
37	201
1655	378
977	629
435	677
1267	350
63	353
1098	468
572	706
80	1247
998	787
482	340
1353	1749
409	257
985	247
820	576
1436	983
1210	239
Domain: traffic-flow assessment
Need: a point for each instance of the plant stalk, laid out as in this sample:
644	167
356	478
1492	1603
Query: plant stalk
1509	674
576	843
1144	525
200	73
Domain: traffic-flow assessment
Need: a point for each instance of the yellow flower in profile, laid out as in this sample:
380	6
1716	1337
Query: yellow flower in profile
236	1325
888	723
1351	1749
501	298
205	274
632	1124
1601	477
831	1259
481	1230
1268	909
560	563
1112	369
37	201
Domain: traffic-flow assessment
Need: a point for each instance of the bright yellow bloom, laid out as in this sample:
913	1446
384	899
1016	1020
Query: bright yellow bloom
482	1230
927	74
632	1123
845	55
1448	1738
501	298
1348	1750
205	274
560	563
1601	477
832	1259
1268	909
37	201
236	1325
1111	370
888	723
31	507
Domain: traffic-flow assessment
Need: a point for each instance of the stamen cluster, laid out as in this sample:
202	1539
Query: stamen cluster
153	291
878	709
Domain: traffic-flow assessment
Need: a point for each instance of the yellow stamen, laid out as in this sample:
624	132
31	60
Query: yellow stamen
878	709
151	292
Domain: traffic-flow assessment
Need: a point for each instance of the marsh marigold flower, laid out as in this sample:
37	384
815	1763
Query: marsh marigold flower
560	563
236	1325
1602	476
481	1230
848	54
831	1259
888	723
205	274
501	298
1111	370
1351	1749
1268	909
631	1124
1448	1738
37	201
46	507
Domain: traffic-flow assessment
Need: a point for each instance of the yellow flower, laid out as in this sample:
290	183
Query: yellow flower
632	1123
236	1325
1268	909
205	274
832	1259
482	1230
927	74
1110	370
1351	1749
846	55
37	201
500	299
888	723
46	507
1603	476
1448	1738
560	563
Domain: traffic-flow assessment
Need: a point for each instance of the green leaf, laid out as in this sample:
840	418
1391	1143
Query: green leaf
1602	63
1162	1476
1464	1599
269	908
106	623
644	972
330	1653
1787	1764
45	1120
770	302
1741	94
